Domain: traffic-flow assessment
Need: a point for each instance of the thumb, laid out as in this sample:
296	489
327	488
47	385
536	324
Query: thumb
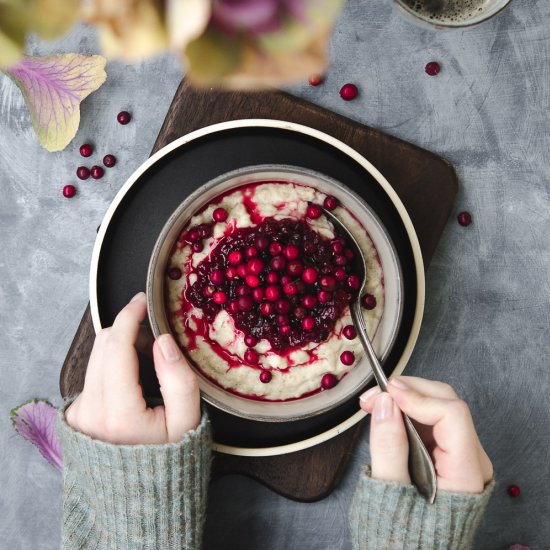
179	388
389	446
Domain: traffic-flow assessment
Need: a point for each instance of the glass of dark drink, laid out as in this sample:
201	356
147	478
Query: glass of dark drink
451	13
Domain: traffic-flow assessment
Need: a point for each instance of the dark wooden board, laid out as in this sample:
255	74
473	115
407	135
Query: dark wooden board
427	185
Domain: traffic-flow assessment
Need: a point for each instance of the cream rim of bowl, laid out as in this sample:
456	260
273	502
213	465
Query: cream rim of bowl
381	180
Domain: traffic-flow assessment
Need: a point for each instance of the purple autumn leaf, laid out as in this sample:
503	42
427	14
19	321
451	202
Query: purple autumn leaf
35	421
53	87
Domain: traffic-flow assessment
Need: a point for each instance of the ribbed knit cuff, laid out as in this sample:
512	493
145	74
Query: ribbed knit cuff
134	496
391	516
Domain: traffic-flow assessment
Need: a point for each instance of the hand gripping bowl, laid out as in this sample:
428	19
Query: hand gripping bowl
361	374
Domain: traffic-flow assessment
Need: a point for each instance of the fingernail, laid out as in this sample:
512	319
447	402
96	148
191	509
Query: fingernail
368	394
169	348
399	384
138	296
383	407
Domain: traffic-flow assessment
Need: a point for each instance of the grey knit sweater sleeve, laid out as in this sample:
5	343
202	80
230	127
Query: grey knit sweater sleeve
134	496
149	497
391	516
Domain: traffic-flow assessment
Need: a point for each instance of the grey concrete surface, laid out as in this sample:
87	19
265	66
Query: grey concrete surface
485	328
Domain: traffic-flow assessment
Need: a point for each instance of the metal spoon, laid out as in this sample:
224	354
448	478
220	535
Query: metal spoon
421	468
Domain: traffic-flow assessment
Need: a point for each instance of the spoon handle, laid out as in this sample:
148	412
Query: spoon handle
359	322
421	468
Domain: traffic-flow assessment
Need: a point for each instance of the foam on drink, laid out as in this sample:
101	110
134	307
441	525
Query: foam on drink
448	11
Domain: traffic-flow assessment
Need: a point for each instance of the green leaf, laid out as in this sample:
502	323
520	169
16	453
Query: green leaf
46	18
212	56
10	49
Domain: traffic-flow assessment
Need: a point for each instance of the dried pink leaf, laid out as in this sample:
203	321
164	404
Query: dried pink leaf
35	421
53	87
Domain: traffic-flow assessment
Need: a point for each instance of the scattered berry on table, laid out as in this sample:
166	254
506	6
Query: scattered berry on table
124	117
97	172
316	79
349	92
432	68
514	491
69	191
109	161
82	173
86	150
464	219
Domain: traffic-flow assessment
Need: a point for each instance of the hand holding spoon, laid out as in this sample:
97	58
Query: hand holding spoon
421	468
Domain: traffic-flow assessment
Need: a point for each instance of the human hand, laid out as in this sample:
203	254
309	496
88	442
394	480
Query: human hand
111	407
445	425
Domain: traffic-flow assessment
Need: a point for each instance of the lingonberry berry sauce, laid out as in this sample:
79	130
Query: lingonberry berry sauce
293	236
